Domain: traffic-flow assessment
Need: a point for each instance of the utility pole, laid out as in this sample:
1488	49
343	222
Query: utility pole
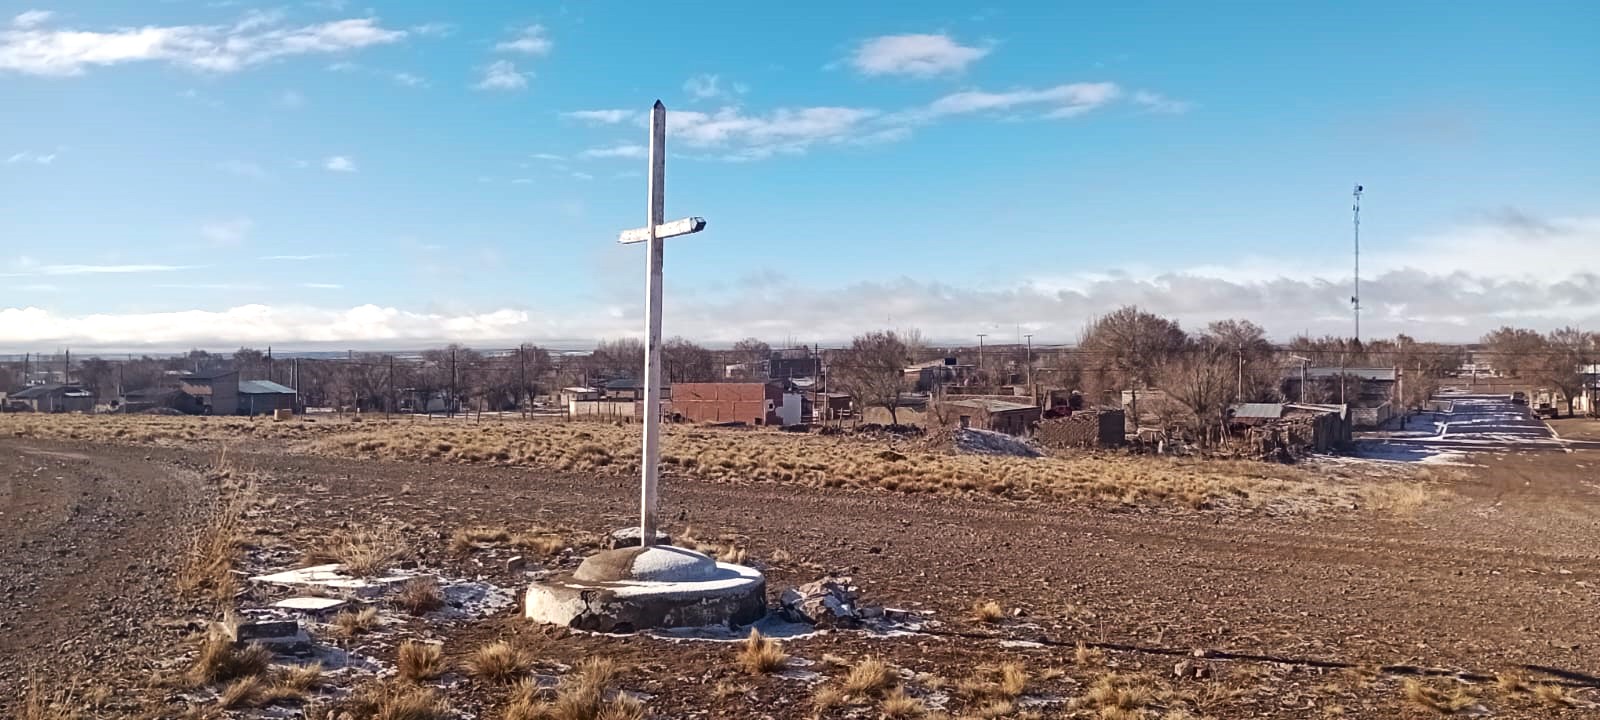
450	406
66	368
1239	393
1029	358
981	336
1355	300
388	403
522	397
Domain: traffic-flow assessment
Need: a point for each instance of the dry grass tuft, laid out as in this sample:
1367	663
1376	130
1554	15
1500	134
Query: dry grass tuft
208	568
1112	692
1445	701
1006	682
361	553
220	661
350	623
419	661
412	704
498	663
987	611
1554	695
581	696
465	540
39	704
301	677
420	595
1085	655
761	655
1512	683
244	692
869	677
897	705
542	543
827	697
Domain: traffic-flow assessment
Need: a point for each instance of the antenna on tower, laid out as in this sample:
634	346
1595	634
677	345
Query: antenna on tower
1355	300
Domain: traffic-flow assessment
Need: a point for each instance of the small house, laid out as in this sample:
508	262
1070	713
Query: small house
138	401
756	403
217	391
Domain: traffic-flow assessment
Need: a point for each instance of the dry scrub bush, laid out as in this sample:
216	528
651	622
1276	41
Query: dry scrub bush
1553	695
897	705
352	622
40	704
1113	694
419	661
465	540
361	553
244	692
760	655
539	542
498	663
220	661
580	696
987	611
869	677
412	704
420	595
1006	681
1085	655
1445	701
208	567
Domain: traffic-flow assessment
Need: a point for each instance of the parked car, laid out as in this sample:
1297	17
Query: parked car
1544	403
1519	398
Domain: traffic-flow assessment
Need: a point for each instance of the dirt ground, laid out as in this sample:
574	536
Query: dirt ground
1193	613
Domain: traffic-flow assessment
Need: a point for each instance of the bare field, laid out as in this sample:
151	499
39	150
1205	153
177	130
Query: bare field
744	456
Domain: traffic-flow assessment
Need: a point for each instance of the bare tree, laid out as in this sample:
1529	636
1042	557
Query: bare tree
684	361
621	358
873	371
1127	348
1202	378
754	354
1561	367
1515	350
1255	374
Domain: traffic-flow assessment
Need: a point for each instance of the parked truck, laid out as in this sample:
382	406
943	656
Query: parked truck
1544	403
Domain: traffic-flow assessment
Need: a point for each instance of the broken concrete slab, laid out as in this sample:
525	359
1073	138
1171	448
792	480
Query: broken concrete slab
629	537
279	634
330	577
311	605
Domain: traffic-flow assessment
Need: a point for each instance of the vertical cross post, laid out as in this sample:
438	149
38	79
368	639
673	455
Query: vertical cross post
652	349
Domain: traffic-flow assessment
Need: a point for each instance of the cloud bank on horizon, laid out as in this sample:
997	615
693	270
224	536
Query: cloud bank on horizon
1477	278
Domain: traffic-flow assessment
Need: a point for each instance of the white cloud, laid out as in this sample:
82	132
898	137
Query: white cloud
582	176
339	163
227	233
256	39
915	55
300	258
26	156
616	151
31	18
530	40
1158	103
709	87
502	75
34	269
322	286
749	137
603	117
408	80
546	156
242	169
291	99
1061	101
434	29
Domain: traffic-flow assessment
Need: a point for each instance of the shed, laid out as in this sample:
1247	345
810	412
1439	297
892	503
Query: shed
1011	418
55	398
263	397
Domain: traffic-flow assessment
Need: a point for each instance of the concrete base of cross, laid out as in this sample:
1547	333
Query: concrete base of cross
631	589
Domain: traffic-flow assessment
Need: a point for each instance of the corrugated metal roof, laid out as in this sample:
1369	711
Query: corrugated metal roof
212	374
992	405
1364	373
1271	411
37	391
263	387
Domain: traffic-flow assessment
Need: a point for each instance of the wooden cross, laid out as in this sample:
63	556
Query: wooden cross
654	232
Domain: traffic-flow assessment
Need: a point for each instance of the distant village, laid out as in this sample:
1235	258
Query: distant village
1133	378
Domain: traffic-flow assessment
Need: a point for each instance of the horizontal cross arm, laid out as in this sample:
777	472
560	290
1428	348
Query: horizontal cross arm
686	226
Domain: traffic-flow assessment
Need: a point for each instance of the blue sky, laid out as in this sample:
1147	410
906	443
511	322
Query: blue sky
391	174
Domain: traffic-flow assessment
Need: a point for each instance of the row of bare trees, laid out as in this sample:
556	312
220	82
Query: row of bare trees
1556	359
